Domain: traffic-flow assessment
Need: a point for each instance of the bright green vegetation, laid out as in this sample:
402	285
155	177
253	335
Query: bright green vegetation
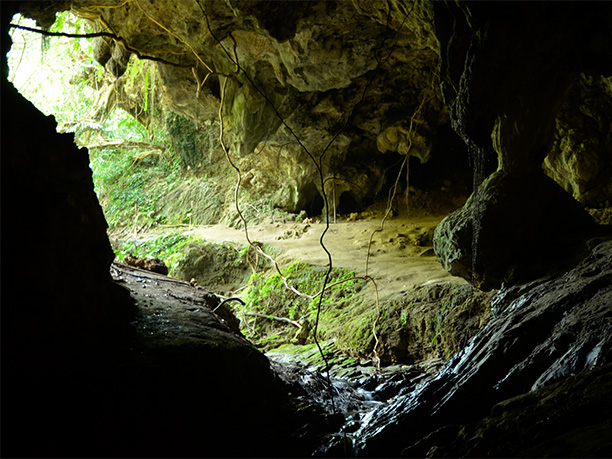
130	183
267	294
45	69
169	248
138	150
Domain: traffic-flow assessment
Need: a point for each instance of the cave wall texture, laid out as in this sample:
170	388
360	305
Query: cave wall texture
527	87
509	98
354	86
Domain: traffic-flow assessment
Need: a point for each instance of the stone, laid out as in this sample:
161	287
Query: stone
570	418
216	267
579	159
150	264
526	227
542	333
437	320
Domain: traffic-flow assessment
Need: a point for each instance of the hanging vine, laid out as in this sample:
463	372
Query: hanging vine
317	161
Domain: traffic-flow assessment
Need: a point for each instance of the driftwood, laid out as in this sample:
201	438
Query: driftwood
124	144
270	317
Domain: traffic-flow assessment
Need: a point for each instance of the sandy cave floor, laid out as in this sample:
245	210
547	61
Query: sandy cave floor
401	255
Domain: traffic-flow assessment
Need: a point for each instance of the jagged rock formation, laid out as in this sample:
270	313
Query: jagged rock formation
325	92
579	158
526	227
542	332
320	100
505	97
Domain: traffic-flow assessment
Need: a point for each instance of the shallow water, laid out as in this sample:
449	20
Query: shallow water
362	391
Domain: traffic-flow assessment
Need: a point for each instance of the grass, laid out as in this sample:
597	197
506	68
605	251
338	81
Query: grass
168	248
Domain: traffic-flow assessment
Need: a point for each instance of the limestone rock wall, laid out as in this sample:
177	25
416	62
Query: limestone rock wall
580	159
325	92
534	103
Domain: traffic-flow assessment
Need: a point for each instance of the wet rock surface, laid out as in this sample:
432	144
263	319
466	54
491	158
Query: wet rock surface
183	385
570	418
542	332
183	335
332	406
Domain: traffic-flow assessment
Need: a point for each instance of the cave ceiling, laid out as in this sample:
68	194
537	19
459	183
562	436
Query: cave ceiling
345	89
323	84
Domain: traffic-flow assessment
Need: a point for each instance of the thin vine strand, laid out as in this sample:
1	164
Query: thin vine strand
118	38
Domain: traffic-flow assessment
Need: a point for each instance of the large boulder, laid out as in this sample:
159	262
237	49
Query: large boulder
517	227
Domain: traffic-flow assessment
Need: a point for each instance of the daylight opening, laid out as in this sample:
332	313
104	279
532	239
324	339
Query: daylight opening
132	157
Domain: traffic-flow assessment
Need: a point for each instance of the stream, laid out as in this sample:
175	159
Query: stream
357	389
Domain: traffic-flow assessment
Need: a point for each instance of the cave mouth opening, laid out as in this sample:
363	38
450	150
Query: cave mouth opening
347	204
133	159
315	206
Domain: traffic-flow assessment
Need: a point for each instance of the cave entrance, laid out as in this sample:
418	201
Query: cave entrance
347	204
135	159
315	206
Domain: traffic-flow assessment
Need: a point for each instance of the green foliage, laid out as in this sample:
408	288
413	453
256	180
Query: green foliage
404	316
267	294
146	91
60	77
57	74
134	68
128	189
188	141
168	247
267	290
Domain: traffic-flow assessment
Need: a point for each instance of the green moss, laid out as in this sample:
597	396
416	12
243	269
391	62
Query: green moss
169	248
267	294
189	142
195	201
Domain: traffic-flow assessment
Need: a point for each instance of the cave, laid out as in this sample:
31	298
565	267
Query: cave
348	204
496	116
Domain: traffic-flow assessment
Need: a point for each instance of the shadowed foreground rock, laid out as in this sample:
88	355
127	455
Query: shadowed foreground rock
526	227
570	418
195	385
541	333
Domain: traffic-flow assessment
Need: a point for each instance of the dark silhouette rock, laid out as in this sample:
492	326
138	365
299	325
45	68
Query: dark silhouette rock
527	226
542	332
